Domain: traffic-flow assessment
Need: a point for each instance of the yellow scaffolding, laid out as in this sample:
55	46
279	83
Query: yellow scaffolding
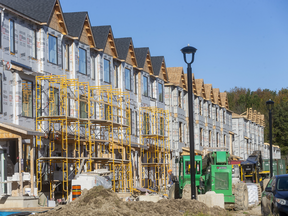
155	154
89	124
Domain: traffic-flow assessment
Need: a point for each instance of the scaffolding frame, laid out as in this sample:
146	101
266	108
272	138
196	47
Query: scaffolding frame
91	124
156	151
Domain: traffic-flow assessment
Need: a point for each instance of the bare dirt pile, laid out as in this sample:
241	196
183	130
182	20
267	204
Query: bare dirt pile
100	201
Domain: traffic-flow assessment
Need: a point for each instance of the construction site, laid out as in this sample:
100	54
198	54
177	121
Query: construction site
80	109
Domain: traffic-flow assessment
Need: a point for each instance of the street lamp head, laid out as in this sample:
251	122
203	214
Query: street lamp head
189	50
269	104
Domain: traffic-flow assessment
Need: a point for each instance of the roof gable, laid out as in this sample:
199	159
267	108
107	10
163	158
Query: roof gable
79	27
159	67
224	100
209	92
144	59
126	51
57	21
200	88
193	83
104	39
38	10
87	35
176	76
217	99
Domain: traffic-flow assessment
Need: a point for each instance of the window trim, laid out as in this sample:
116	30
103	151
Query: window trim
85	61
127	69
12	52
56	49
109	71
31	99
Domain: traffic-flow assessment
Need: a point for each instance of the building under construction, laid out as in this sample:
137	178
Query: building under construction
74	100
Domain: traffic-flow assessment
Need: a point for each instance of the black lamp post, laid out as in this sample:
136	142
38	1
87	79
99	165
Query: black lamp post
270	105
190	50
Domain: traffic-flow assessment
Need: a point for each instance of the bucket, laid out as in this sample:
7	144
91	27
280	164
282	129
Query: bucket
76	191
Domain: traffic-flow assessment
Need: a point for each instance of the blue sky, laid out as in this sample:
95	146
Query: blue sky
241	43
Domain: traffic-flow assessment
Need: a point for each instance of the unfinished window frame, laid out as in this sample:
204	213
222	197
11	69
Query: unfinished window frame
34	44
200	107
67	59
131	121
127	79
49	49
116	76
105	71
12	37
160	94
93	67
136	123
201	136
210	137
30	100
162	126
145	86
39	111
57	105
179	99
82	51
135	84
180	132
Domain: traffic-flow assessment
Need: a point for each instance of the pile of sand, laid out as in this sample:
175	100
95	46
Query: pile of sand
100	201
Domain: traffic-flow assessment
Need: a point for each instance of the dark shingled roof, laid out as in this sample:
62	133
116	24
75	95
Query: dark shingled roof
141	54
39	10
156	64
75	22
122	46
100	34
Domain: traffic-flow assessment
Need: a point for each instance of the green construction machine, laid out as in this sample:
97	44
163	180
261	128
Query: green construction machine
212	173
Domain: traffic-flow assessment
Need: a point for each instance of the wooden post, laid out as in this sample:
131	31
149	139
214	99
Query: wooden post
140	168
134	170
32	166
20	165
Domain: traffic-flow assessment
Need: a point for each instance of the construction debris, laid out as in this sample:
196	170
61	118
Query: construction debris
101	201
